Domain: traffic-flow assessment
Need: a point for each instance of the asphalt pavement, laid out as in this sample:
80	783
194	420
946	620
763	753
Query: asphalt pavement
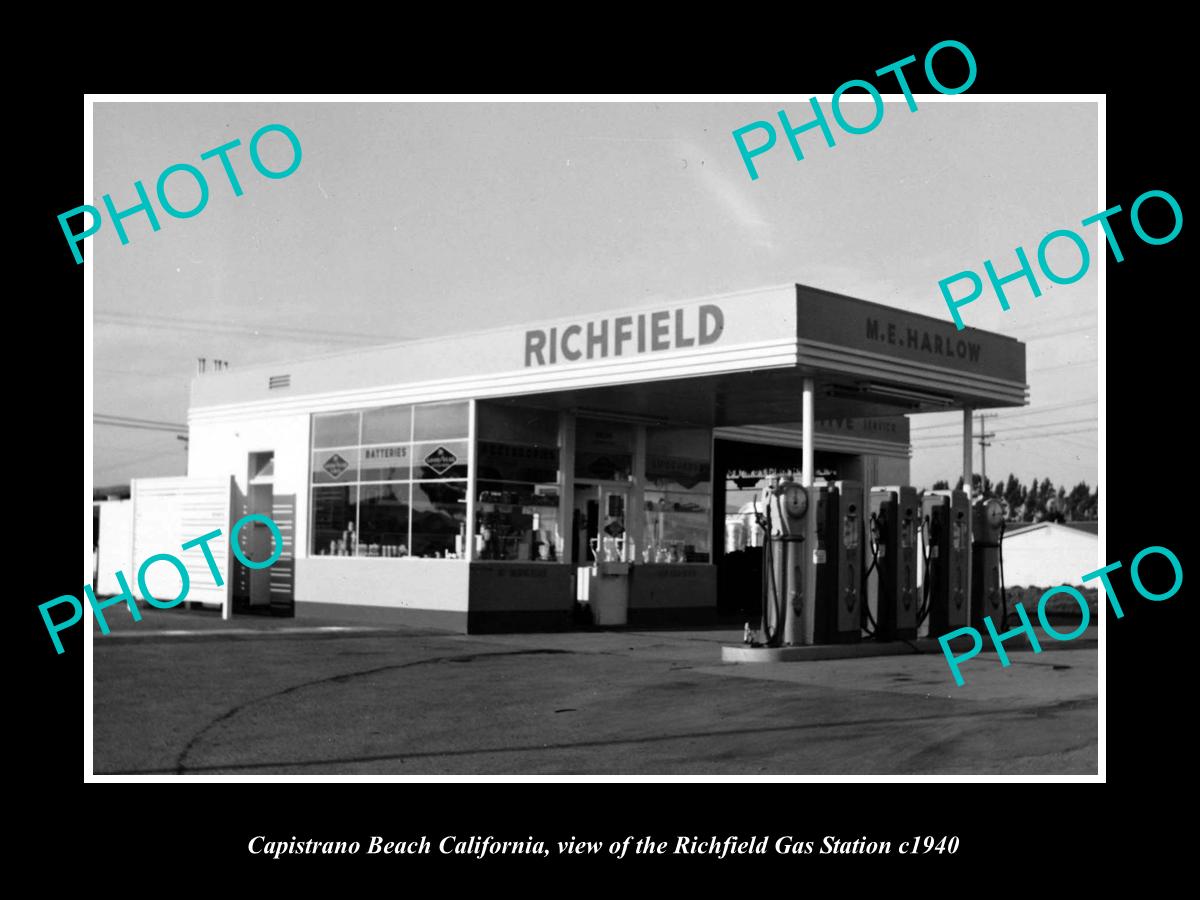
185	693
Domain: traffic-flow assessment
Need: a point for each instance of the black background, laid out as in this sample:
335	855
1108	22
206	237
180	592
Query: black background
1002	827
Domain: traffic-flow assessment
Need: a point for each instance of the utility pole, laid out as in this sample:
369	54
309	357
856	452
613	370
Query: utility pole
983	445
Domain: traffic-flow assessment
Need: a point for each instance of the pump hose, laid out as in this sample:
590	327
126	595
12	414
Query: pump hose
770	591
926	528
1003	590
773	597
874	546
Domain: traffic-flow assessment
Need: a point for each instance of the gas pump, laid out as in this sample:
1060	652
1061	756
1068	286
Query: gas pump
894	522
945	603
784	506
838	558
987	574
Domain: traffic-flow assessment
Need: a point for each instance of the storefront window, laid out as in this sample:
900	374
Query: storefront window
389	462
518	521
440	459
381	481
335	466
337	430
441	421
439	518
388	425
517	462
603	450
678	495
335	514
517	458
383	519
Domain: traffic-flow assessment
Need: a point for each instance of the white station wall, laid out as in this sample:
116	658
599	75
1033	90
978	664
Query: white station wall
224	448
404	583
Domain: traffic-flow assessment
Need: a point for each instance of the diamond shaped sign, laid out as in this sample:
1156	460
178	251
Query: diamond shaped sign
335	465
440	460
615	529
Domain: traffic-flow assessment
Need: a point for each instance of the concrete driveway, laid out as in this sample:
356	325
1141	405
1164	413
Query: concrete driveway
182	692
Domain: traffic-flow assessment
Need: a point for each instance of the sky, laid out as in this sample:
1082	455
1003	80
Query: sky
409	220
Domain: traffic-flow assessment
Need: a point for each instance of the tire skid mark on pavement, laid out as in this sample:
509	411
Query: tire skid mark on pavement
182	769
180	761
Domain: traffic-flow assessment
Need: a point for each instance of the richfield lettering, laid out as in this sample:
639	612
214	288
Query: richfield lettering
625	335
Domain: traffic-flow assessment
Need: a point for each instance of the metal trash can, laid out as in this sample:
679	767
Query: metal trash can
608	593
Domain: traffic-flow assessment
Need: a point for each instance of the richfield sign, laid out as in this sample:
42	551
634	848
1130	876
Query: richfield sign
629	335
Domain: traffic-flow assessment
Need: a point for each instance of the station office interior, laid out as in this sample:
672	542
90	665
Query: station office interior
464	482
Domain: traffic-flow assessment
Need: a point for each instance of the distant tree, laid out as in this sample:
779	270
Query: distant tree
941	485
1076	502
1045	494
1013	496
1029	509
959	485
982	487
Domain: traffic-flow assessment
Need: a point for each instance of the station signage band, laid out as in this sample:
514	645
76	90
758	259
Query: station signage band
625	335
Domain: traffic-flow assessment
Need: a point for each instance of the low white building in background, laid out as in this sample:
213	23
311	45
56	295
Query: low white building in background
113	521
1046	554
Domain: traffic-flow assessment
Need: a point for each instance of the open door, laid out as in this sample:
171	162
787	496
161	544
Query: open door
267	591
256	536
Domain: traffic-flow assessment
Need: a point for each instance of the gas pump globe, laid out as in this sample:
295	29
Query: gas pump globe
995	514
795	501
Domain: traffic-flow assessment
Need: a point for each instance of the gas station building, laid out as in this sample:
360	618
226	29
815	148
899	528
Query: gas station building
490	481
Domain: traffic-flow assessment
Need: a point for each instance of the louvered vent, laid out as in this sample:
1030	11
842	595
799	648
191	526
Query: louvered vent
279	381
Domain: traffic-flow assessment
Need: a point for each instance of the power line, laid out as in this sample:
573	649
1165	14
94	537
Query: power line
1009	441
1030	425
209	323
1019	437
1005	416
1081	362
1024	428
1031	327
137	427
304	335
140	426
1034	437
1080	445
139	421
142	374
1050	334
174	451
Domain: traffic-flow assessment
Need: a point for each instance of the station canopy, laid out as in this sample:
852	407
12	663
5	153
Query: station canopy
731	360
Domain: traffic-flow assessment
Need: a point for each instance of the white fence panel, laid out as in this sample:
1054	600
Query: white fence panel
169	512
